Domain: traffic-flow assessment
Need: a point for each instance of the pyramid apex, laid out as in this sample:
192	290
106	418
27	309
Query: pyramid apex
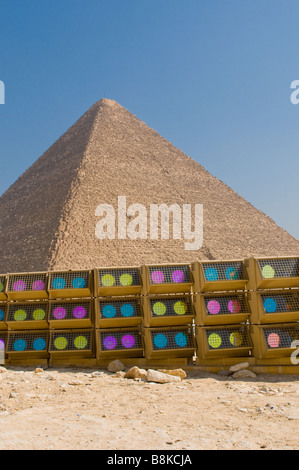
108	102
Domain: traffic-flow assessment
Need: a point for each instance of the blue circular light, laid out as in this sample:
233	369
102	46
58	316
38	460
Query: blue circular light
20	345
109	311
1	315
78	283
181	340
270	305
58	283
39	344
127	310
160	341
231	273
211	274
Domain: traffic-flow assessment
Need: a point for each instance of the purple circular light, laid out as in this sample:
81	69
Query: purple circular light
38	285
2	344
110	342
213	307
79	312
19	286
59	313
178	276
157	277
128	341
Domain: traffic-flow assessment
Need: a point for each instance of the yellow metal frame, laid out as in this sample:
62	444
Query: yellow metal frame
115	353
27	354
164	288
3	307
90	352
27	324
258	314
103	291
4	336
3	295
202	318
260	348
204	352
73	322
256	280
27	294
71	292
151	320
202	285
119	322
151	353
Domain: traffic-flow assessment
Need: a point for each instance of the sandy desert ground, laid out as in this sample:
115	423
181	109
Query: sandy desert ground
83	409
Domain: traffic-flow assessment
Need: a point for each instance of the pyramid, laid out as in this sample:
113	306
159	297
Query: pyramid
48	216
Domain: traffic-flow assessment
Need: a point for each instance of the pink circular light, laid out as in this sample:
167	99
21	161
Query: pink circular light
177	276
273	340
38	285
234	306
19	286
213	307
157	277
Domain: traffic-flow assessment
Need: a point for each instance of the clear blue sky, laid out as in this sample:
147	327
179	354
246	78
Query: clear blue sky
211	76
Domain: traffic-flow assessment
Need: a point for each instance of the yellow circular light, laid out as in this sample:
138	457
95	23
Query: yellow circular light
80	342
60	342
180	308
268	272
214	340
39	314
159	308
20	315
126	279
108	280
236	338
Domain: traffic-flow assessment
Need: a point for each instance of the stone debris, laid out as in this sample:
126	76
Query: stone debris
136	373
116	366
76	382
240	366
97	374
176	372
244	374
120	373
160	377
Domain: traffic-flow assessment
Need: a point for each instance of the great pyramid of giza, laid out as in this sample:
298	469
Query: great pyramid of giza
48	216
